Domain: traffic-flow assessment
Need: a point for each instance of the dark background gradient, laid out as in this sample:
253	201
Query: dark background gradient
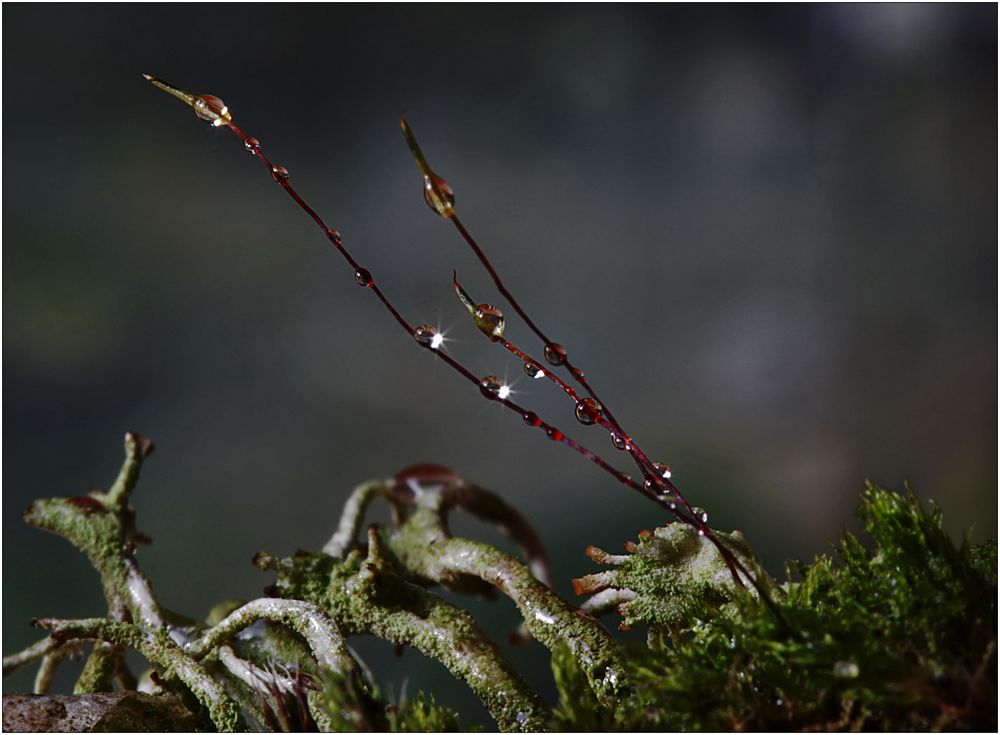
768	234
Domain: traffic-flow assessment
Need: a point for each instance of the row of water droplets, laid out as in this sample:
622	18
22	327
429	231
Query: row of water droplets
487	317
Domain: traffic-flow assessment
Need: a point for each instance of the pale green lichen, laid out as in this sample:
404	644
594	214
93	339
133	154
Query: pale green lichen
375	587
670	577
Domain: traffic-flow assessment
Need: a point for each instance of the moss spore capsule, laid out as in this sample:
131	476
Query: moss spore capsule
588	410
555	354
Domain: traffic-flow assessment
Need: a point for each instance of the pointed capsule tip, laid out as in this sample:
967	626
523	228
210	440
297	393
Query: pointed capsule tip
147	77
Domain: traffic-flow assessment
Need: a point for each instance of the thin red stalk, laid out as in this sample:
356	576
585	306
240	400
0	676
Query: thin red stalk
641	458
253	146
364	277
577	374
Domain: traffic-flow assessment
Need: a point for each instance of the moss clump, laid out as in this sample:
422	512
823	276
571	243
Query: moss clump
901	636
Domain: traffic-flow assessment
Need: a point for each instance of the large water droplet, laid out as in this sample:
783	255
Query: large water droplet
363	277
533	370
555	435
439	196
279	173
700	514
555	354
252	145
489	319
618	442
588	411
212	110
577	373
428	336
493	388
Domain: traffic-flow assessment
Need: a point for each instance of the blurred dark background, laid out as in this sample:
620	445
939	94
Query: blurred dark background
768	234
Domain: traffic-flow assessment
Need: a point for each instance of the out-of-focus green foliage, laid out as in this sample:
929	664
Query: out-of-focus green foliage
900	636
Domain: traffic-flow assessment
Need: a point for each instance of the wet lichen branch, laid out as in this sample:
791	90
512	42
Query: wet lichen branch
374	586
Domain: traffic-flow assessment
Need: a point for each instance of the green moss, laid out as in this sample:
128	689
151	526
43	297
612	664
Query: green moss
899	636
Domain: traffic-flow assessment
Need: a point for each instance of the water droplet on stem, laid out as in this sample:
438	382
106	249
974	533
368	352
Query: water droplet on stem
428	336
588	411
618	442
533	370
493	388
662	470
279	173
211	109
555	354
364	278
490	321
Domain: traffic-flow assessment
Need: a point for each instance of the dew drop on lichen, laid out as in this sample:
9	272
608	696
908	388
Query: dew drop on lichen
493	388
588	411
429	336
555	354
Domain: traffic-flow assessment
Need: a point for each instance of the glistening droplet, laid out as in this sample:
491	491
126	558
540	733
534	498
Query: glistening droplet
555	435
439	196
252	145
577	373
533	370
588	411
489	319
618	442
279	173
555	354
700	514
363	277
211	109
493	388
428	336
662	470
